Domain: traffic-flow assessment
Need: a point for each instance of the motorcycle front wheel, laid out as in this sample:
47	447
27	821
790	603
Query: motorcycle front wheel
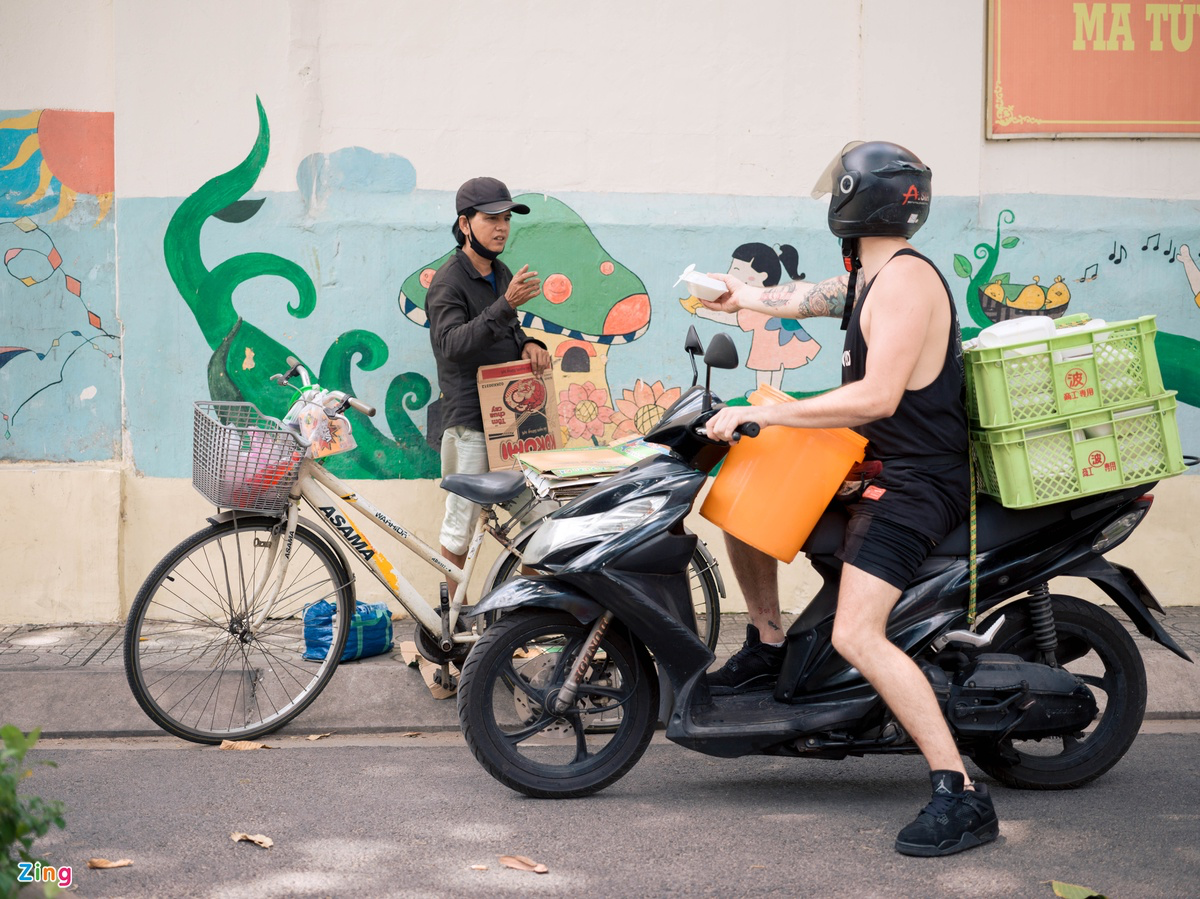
1094	647
508	686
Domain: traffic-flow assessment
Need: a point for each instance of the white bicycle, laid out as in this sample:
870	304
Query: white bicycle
215	645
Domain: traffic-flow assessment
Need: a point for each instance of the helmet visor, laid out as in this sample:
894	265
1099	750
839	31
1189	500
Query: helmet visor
824	183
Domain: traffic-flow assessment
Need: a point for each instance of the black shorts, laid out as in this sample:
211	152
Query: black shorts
890	551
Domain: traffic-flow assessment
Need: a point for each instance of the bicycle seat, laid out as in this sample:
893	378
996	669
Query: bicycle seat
486	489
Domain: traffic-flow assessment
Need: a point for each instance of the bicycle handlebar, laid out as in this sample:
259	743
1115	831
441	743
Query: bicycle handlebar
343	399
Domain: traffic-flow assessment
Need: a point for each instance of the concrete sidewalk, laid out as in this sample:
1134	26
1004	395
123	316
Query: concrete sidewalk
70	681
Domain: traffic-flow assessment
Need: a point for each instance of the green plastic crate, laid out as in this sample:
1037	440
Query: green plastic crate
1048	462
1044	379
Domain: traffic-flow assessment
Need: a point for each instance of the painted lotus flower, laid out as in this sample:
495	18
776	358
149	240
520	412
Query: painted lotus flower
641	408
584	410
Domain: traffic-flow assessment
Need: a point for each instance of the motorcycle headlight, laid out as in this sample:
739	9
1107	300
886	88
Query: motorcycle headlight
557	534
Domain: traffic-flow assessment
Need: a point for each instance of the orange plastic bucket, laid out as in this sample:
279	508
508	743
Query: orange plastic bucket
772	489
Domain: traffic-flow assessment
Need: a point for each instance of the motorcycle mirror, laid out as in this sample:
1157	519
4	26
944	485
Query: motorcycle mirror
693	347
721	353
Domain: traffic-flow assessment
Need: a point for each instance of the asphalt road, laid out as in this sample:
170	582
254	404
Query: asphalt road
409	816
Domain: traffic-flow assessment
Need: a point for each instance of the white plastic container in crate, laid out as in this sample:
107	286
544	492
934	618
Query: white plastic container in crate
1077	370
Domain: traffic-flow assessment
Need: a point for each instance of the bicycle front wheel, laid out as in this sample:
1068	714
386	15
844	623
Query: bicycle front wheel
198	659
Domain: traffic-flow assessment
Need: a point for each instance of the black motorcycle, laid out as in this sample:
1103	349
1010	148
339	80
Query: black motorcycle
561	695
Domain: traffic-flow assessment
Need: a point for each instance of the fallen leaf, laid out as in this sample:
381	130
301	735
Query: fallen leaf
411	733
257	839
1071	891
242	745
521	863
105	863
478	867
320	736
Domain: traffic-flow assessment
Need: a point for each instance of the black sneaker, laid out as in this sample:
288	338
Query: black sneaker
755	666
955	819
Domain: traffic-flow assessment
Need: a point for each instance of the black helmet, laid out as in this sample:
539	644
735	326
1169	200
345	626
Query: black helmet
878	189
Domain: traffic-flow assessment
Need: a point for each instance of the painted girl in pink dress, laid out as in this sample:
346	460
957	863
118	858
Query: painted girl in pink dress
776	344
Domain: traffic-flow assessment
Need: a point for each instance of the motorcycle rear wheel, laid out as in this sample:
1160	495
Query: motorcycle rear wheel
1095	647
511	675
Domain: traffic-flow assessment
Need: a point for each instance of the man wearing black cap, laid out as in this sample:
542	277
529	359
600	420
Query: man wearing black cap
472	308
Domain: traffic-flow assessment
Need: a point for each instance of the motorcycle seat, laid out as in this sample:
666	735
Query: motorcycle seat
996	526
488	488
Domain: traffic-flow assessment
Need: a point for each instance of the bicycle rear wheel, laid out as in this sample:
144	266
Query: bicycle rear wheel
197	663
702	576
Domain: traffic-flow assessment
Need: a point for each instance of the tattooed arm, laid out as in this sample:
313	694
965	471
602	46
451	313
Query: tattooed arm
796	299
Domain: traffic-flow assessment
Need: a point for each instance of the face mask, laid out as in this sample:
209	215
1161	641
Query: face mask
478	247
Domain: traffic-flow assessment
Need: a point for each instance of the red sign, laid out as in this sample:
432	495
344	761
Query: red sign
1059	67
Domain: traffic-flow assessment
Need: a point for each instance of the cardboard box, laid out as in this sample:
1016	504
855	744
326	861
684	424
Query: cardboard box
520	412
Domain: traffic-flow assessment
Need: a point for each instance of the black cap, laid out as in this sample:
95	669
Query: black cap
487	195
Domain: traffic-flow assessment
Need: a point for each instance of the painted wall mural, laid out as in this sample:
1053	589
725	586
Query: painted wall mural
71	152
60	343
777	345
335	272
590	304
993	298
244	356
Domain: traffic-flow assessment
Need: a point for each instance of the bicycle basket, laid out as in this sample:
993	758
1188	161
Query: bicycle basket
242	459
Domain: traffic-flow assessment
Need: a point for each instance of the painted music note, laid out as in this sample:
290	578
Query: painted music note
1114	257
1153	237
1093	269
1170	251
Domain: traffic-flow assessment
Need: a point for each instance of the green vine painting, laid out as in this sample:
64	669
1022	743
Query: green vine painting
244	356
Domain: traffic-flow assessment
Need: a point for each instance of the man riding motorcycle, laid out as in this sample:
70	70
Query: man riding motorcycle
902	389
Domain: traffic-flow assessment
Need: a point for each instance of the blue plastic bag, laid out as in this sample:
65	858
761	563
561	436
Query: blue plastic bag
370	630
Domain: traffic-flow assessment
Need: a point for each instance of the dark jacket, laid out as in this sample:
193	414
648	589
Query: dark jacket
470	324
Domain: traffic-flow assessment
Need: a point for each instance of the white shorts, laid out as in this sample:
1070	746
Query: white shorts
464	451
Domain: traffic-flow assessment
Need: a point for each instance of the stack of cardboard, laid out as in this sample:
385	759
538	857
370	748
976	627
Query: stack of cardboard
564	473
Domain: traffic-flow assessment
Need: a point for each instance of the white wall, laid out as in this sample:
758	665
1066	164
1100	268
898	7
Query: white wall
626	96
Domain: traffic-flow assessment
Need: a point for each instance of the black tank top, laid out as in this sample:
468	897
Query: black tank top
923	445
